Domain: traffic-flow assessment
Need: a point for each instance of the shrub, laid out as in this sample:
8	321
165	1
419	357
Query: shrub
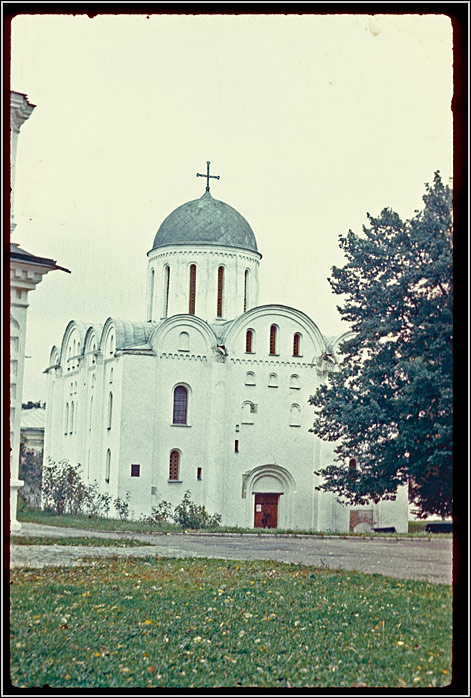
122	506
63	490
30	472
160	514
98	503
191	515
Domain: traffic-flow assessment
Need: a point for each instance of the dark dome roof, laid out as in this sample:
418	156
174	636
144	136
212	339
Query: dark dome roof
206	221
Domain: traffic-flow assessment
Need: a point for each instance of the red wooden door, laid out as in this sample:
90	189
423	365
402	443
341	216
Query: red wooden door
266	511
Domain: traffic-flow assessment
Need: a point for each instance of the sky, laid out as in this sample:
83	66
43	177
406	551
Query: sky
311	121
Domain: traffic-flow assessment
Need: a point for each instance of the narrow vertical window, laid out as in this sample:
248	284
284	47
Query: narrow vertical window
66	420
248	342
71	424
151	294
246	289
273	339
191	308
296	344
91	414
108	465
174	465
180	404
220	290
110	409
199	473
135	470
166	289
236	446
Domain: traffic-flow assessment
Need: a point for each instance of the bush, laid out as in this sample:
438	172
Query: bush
191	515
63	490
160	514
30	472
98	503
122	506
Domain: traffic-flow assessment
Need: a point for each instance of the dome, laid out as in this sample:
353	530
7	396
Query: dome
206	221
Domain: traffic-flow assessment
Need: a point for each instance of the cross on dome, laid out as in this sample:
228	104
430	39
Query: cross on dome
207	175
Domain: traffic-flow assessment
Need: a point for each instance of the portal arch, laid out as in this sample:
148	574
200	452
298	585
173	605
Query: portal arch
269	479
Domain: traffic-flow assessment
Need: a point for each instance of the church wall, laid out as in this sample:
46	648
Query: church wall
134	437
395	513
277	433
207	261
267	438
190	440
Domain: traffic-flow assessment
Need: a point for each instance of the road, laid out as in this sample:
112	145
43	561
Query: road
403	558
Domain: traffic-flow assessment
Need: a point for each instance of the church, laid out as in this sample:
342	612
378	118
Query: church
209	393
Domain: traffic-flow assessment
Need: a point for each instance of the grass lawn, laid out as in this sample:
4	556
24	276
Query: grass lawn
202	623
60	540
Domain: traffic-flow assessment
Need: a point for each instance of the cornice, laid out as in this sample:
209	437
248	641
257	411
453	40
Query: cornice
20	110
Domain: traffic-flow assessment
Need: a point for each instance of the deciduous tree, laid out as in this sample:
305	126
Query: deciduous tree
389	404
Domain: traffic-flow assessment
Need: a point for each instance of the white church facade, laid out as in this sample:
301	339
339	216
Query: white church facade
208	394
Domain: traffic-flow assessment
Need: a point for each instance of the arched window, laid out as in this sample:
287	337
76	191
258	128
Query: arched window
294	381
246	289
111	374
166	289
352	464
295	416
249	342
180	404
273	329
273	380
192	302
151	294
297	344
174	466
111	344
66	419
110	410
71	424
108	466
220	291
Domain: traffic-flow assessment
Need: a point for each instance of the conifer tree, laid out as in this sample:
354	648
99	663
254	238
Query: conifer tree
389	404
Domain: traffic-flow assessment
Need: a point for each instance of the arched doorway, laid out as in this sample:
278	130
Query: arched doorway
269	501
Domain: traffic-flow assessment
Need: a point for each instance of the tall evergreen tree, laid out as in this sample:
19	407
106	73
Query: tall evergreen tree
389	404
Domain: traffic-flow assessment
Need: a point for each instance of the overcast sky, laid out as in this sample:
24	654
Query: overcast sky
311	122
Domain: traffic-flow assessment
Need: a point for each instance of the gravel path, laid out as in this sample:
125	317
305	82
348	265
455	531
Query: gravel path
403	558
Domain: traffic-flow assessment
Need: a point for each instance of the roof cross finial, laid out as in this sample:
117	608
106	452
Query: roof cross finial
207	175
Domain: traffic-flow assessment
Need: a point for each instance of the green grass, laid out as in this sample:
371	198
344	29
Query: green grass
107	524
60	540
204	623
88	522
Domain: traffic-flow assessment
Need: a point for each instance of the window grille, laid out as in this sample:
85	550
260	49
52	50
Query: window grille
167	289
180	405
220	290
174	465
273	339
192	303
248	341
